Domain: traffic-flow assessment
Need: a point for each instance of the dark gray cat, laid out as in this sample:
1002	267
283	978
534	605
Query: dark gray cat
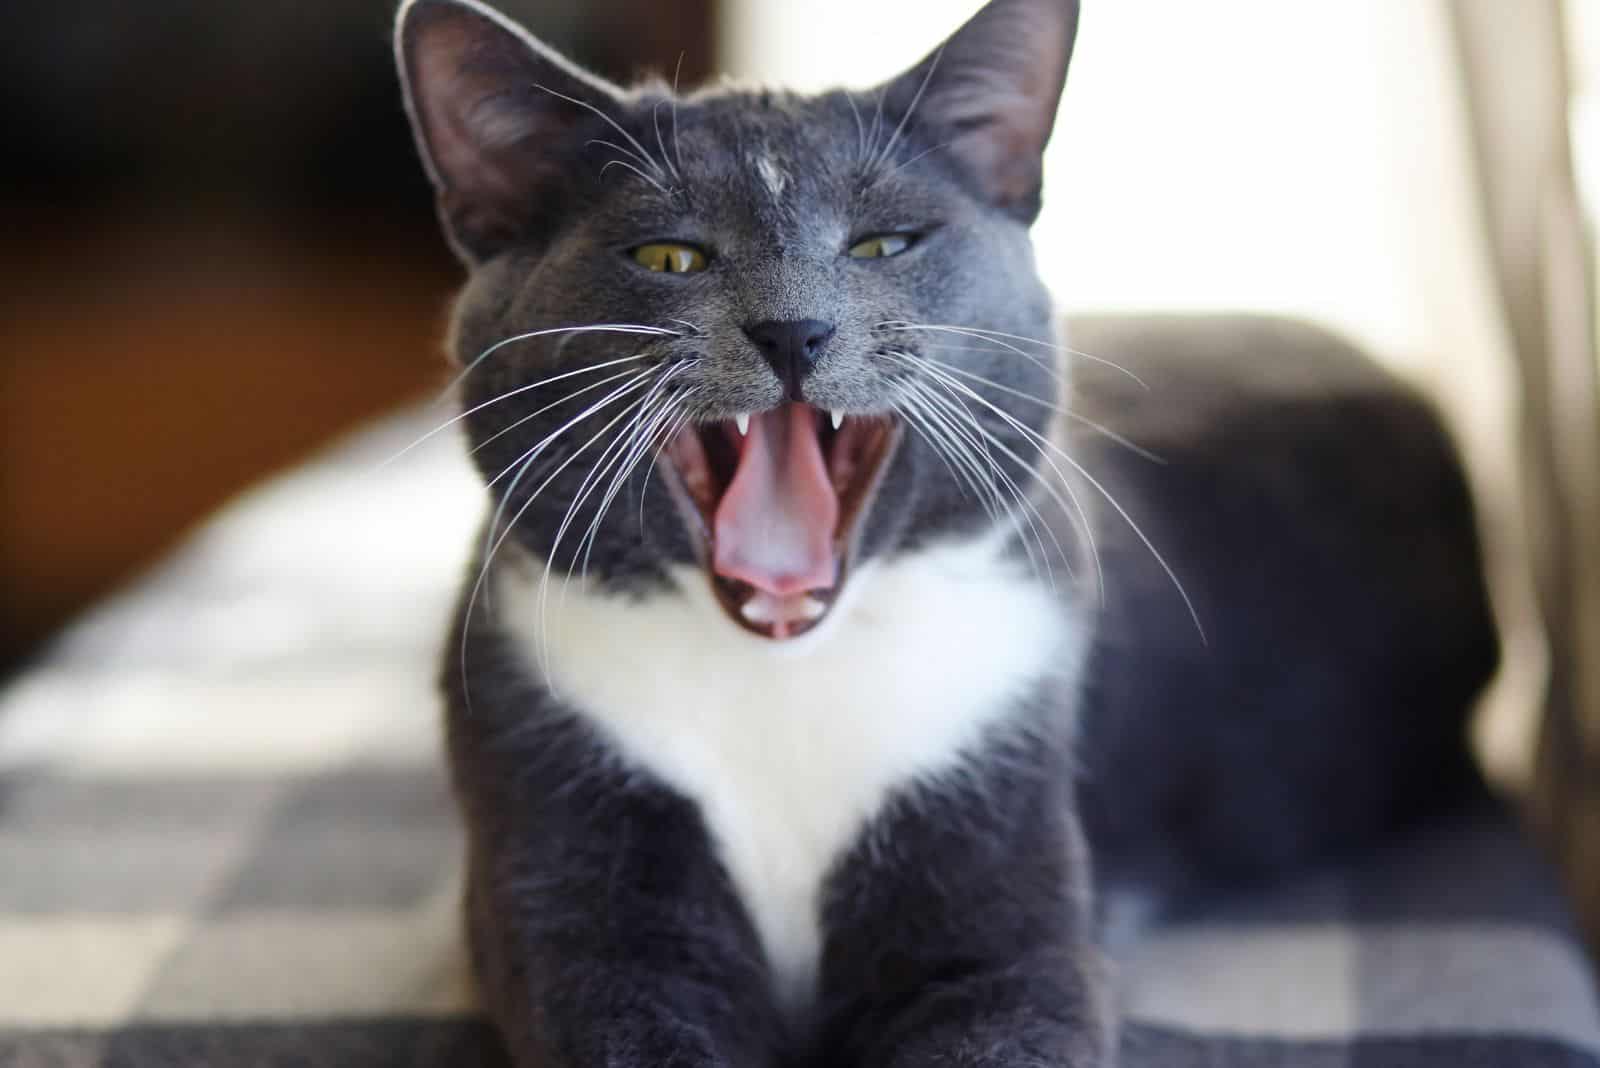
799	610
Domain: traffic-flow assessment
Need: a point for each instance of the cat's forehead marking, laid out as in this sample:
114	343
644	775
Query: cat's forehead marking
772	175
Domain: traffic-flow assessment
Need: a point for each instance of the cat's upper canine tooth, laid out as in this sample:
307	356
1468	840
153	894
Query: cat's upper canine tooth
838	418
743	423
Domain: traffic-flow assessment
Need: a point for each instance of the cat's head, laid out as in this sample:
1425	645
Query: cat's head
768	334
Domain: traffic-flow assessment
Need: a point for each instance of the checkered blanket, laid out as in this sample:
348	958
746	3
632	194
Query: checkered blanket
225	839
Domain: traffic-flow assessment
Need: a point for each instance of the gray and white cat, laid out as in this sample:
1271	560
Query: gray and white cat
792	625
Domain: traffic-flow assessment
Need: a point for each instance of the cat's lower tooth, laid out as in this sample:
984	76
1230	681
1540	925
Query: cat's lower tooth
838	418
743	423
811	608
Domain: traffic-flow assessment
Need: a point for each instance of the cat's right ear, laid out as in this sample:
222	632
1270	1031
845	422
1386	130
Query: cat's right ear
495	114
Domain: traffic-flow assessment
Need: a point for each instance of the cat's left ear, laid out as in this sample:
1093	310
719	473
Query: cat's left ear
496	115
988	95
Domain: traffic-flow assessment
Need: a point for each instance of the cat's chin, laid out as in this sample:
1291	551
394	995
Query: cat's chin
786	574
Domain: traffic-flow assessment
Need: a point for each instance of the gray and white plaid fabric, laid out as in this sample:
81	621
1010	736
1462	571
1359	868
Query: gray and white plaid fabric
225	840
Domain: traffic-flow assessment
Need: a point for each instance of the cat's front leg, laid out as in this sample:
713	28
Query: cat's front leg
1047	1011
609	949
961	936
604	932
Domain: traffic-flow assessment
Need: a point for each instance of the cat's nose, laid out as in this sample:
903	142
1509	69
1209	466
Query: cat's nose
791	346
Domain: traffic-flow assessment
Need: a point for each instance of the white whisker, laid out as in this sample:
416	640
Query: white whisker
568	331
655	120
1038	361
963	414
666	439
507	395
553	404
897	168
492	549
1044	443
643	152
861	129
1076	506
993	335
624	163
961	444
894	138
1052	406
677	150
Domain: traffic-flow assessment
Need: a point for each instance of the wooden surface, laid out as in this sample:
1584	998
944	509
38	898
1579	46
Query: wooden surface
146	376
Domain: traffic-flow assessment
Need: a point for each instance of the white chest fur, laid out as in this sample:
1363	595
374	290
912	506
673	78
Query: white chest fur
789	749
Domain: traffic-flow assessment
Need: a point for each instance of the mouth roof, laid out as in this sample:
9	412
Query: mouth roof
779	495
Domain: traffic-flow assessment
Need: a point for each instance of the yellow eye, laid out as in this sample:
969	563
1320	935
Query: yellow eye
670	258
880	246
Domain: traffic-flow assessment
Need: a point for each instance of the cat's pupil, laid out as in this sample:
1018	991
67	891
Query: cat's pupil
670	258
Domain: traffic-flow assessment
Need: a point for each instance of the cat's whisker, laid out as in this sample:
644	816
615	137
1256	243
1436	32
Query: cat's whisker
877	125
534	496
641	446
478	587
634	380
955	458
566	332
1074	508
666	438
655	405
624	163
625	152
960	412
507	395
553	404
1024	501
655	120
993	335
611	455
661	430
897	168
677	149
1068	413
613	458
644	153
1043	364
861	129
1043	444
521	467
936	426
880	158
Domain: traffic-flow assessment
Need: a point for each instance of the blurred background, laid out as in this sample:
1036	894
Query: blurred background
219	251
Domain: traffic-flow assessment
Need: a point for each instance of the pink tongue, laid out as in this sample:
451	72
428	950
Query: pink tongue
774	527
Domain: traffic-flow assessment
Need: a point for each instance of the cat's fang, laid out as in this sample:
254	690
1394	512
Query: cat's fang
742	421
838	418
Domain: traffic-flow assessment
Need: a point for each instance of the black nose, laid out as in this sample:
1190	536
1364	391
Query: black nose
791	346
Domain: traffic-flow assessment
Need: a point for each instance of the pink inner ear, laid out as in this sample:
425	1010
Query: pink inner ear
491	139
456	110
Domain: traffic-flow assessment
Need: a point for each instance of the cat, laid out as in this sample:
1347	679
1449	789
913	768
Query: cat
803	644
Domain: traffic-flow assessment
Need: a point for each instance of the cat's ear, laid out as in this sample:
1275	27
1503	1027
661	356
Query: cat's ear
494	112
988	95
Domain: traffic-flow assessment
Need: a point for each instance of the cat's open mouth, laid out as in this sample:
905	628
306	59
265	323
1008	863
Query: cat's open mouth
780	499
